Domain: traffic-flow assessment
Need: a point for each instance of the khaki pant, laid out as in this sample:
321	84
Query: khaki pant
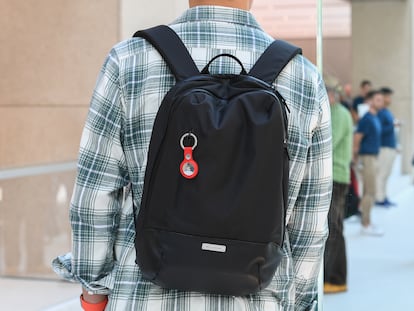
385	161
368	176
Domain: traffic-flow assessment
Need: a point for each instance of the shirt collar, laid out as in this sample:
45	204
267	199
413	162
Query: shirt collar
218	14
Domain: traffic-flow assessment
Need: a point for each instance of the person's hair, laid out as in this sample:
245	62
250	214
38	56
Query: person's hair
371	94
386	91
330	88
365	83
334	90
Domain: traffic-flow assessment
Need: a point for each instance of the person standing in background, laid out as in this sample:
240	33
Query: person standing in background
346	97
335	265
367	141
388	150
359	107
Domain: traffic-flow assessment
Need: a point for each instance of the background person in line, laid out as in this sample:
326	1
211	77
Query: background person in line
388	150
113	153
335	264
359	106
367	141
345	95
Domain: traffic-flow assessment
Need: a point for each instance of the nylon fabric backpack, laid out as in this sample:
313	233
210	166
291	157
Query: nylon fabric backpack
212	216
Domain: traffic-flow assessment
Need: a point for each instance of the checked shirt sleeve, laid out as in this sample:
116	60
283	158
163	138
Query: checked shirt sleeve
307	227
97	198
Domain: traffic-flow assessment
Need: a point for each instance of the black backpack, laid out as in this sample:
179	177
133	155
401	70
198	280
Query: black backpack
212	216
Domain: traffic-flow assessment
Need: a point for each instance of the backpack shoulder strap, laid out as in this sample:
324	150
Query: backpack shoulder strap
172	49
273	60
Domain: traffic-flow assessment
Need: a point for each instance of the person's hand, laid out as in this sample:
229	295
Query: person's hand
93	302
355	159
398	123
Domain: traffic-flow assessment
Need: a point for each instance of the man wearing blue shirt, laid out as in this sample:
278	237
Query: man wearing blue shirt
367	141
388	149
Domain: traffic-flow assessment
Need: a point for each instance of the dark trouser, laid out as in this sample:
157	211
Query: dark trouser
335	253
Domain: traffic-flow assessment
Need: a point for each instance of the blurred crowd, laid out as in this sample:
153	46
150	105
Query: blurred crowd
364	149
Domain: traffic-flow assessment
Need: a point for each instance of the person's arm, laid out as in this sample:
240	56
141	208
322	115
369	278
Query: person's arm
356	145
362	129
307	225
338	132
354	110
387	122
97	197
348	138
342	133
355	116
93	302
93	298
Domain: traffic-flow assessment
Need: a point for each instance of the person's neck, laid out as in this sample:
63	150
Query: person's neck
236	4
372	110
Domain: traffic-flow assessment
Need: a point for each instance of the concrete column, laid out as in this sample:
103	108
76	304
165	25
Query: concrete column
382	49
137	15
410	134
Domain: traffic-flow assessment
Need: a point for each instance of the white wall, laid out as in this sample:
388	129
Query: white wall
140	14
382	52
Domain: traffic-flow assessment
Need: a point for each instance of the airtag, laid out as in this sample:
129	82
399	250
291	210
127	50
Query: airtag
188	167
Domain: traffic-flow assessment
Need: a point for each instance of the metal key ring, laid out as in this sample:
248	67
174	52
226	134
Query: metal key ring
186	135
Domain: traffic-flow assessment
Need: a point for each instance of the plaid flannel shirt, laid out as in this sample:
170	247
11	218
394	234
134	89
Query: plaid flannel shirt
113	153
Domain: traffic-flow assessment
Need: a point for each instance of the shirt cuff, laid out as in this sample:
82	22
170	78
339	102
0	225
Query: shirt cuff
62	266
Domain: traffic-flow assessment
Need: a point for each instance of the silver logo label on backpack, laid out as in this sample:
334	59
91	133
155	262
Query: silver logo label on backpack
213	247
